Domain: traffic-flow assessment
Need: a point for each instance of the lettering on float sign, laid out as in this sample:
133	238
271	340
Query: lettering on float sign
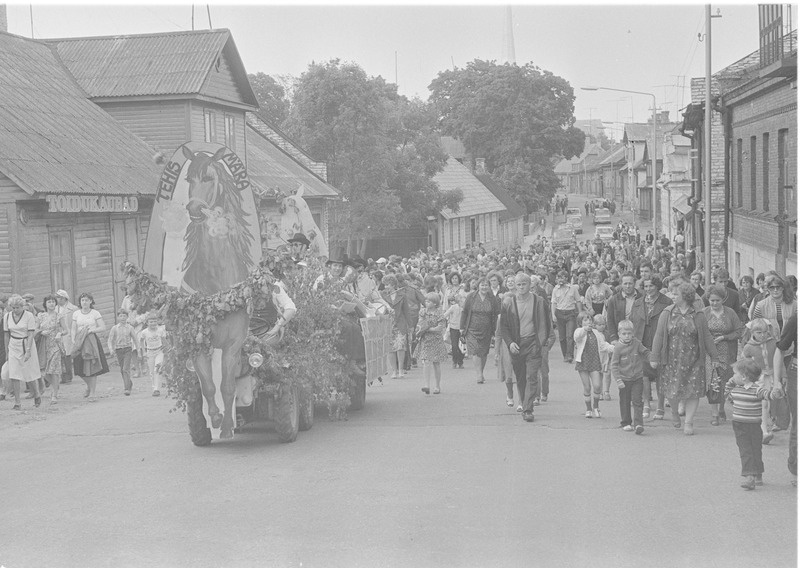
238	171
92	204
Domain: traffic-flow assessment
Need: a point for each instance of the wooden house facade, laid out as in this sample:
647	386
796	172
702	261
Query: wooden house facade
76	187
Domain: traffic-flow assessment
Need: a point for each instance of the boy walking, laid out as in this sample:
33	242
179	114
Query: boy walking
627	368
151	346
746	396
122	341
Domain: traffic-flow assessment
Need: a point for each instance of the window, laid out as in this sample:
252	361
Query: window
738	266
765	169
458	232
784	200
62	260
210	126
452	243
739	196
753	200
230	132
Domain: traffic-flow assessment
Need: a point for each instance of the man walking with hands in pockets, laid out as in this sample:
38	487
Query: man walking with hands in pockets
525	327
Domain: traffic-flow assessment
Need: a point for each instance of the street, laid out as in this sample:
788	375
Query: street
411	480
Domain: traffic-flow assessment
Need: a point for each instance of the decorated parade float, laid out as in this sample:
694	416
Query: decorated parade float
217	273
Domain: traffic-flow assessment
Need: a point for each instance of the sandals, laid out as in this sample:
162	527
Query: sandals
436	391
17	407
715	420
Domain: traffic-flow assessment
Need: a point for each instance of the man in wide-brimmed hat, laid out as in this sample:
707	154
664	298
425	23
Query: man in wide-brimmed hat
299	243
335	264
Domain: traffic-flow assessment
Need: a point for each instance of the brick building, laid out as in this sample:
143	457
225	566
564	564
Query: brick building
753	206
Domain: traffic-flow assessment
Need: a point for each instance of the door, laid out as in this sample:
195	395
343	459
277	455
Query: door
62	261
473	230
124	246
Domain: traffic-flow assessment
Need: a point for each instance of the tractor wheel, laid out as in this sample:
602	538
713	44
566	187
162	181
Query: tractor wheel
198	428
287	414
358	393
306	412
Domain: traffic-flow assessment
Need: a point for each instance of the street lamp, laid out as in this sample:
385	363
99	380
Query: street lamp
655	137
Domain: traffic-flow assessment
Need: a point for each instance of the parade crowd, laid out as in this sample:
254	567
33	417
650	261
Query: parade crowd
633	312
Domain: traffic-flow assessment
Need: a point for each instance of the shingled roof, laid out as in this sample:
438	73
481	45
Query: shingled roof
477	197
513	210
271	169
53	139
172	63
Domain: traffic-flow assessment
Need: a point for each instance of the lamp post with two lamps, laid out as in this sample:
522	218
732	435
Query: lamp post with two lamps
652	154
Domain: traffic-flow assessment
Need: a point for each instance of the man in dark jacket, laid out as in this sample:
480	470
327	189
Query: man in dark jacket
525	327
620	305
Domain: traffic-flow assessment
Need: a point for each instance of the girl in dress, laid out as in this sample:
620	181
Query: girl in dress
589	343
431	349
22	359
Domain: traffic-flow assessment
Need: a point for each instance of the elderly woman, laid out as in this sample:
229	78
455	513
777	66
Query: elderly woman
779	305
51	346
478	320
88	357
726	328
680	346
399	308
22	358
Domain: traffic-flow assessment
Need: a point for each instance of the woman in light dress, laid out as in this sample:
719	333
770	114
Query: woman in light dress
22	359
50	361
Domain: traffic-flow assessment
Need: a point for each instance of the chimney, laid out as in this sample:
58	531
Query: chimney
480	166
3	19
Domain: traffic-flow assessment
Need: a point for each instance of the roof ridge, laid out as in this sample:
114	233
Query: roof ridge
150	34
298	162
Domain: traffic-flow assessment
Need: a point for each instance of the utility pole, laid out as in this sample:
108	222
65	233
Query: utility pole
707	151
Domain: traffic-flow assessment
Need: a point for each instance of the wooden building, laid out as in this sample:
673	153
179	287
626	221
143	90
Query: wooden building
76	186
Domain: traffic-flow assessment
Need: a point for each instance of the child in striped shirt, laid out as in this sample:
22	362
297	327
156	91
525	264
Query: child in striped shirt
746	397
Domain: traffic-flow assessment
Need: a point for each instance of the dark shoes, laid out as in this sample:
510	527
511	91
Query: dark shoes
37	401
426	390
527	416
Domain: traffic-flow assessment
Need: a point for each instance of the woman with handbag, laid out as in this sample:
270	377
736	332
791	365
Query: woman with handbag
50	348
680	346
726	329
761	348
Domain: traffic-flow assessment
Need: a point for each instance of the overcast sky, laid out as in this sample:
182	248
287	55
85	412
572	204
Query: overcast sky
649	48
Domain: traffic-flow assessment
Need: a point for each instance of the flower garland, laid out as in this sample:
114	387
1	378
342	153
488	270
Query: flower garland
308	356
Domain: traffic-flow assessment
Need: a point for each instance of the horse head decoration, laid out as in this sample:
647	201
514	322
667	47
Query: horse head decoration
219	242
218	238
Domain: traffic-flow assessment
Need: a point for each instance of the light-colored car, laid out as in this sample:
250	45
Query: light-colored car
604	233
576	222
602	216
573	211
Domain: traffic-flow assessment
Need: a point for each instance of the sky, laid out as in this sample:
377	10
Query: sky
652	48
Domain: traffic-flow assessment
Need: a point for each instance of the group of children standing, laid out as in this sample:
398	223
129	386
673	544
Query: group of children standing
147	345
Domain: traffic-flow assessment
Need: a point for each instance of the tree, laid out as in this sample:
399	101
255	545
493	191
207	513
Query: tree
271	96
381	149
517	118
602	139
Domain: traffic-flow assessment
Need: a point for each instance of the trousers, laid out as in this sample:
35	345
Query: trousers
748	438
458	356
154	360
526	366
566	322
631	395
124	360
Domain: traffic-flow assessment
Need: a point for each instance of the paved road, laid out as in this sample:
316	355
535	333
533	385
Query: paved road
411	480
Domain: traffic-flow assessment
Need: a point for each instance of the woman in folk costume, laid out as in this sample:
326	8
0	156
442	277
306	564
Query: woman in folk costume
22	358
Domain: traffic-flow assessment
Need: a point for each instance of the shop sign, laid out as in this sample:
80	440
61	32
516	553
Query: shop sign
92	204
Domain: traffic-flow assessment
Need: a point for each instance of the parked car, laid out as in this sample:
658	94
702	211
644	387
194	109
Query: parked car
576	222
602	216
604	233
564	237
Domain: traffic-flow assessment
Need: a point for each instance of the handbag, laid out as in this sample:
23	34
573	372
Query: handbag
715	393
462	344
